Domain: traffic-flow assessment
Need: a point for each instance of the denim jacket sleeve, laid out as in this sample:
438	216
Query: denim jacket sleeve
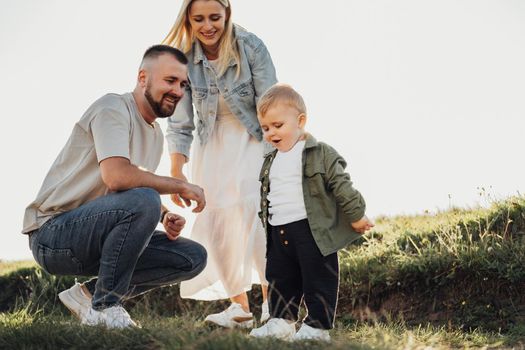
338	181
263	70
180	126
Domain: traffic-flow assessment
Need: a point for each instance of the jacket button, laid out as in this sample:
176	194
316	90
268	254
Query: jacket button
266	172
282	232
264	204
285	242
264	189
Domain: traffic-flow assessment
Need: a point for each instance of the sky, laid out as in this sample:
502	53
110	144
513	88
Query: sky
424	99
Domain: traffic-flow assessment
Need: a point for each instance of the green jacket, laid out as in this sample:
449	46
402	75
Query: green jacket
331	202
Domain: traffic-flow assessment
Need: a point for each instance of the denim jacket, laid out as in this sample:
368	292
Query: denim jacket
241	94
331	202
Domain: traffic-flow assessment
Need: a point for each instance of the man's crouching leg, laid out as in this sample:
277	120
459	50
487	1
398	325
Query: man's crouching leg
104	237
166	262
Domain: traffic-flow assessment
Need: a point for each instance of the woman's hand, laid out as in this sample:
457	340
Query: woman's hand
175	198
177	162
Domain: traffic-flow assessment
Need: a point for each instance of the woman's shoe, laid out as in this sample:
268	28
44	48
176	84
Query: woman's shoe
265	314
233	316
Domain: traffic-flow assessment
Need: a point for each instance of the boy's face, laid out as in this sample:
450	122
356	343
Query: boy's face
282	126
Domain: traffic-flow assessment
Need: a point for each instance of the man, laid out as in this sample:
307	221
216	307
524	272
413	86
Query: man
99	205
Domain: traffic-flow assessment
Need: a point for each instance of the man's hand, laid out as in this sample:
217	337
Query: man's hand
173	225
191	192
175	198
119	174
362	225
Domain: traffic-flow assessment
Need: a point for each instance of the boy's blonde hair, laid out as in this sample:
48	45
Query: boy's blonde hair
280	93
181	36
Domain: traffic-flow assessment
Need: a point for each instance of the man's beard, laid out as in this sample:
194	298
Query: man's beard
158	109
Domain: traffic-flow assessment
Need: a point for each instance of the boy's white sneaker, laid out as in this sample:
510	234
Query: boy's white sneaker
233	316
265	314
275	327
307	332
78	303
117	317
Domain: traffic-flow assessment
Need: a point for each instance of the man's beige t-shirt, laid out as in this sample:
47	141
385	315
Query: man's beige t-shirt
111	127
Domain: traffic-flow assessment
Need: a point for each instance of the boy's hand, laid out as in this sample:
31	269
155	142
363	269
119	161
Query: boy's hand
362	225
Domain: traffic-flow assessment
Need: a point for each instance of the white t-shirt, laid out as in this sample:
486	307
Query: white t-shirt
111	127
286	201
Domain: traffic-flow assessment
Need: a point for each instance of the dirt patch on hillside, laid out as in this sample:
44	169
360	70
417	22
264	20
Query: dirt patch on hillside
464	305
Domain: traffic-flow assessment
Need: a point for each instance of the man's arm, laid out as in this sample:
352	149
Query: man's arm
119	175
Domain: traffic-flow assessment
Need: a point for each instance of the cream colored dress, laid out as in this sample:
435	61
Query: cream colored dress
227	168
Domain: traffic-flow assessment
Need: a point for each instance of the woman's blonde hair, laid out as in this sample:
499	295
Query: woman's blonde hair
181	36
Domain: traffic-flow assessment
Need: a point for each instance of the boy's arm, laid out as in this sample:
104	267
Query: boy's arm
347	197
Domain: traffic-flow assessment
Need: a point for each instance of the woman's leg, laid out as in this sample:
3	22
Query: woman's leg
264	289
243	300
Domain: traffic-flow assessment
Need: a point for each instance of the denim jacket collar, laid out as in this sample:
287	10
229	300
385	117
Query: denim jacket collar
198	52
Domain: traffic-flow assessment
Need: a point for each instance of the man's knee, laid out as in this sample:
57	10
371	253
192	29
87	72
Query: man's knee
199	258
145	201
145	196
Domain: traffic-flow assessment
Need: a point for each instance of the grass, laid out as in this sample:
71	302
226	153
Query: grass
7	267
453	279
38	331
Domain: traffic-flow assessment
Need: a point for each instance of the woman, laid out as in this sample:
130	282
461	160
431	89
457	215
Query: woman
229	68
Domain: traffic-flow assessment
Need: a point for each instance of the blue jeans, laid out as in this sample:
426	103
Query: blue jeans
114	237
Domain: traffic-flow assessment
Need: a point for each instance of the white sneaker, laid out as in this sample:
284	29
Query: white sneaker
310	333
277	328
93	317
76	300
233	316
78	303
265	314
117	317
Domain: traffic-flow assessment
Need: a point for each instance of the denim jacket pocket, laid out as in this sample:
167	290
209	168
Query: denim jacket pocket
199	95
245	90
58	261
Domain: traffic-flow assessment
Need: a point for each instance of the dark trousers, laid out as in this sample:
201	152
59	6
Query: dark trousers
295	268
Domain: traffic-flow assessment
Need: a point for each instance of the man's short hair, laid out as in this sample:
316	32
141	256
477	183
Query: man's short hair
280	93
157	50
